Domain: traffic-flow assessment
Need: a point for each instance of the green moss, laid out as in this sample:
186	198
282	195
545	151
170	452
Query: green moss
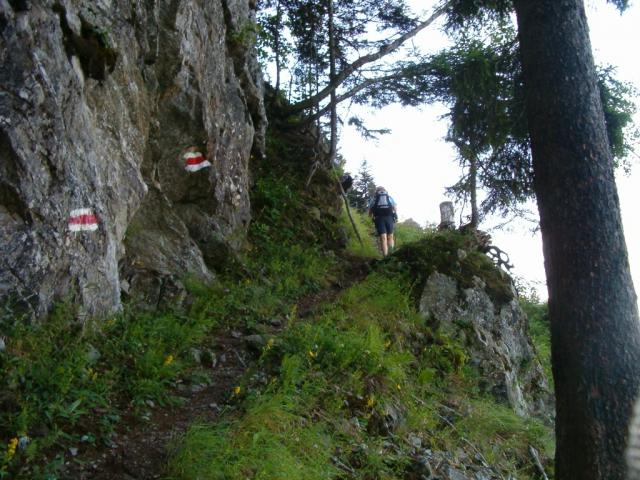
445	354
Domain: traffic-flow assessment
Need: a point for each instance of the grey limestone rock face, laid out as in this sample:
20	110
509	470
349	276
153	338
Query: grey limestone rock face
106	108
496	338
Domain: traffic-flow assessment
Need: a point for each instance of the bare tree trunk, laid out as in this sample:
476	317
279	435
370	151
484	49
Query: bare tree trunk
332	76
446	216
473	190
592	303
346	205
277	46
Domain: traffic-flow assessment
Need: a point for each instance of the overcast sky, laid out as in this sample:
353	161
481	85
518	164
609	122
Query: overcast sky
415	164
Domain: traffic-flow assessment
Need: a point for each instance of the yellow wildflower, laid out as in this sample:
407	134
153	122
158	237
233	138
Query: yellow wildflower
236	390
371	401
168	361
11	447
398	386
313	354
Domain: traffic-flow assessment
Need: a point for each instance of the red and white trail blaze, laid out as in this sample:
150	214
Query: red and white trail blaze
195	161
83	219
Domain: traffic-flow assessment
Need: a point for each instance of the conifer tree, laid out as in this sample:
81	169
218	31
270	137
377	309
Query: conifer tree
334	56
363	188
480	79
595	331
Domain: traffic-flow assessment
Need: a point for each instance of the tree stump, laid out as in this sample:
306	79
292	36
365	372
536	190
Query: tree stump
446	216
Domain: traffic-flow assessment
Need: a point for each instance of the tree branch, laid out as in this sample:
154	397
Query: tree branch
358	88
372	57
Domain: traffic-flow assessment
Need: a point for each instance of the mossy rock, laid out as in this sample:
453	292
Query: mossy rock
449	253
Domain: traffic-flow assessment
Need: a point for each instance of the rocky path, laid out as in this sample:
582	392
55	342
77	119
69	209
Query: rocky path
139	447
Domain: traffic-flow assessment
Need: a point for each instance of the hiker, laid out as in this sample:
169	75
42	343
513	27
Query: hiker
383	210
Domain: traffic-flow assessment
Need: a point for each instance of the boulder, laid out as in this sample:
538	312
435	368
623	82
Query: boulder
496	338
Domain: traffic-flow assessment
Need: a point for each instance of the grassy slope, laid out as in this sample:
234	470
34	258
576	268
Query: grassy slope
318	403
55	376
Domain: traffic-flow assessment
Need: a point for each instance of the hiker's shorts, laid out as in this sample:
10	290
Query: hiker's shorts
384	224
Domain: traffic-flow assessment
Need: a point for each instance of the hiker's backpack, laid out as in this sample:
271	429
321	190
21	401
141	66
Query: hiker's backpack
382	205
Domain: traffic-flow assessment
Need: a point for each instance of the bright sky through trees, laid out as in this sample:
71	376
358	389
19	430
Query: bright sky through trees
415	164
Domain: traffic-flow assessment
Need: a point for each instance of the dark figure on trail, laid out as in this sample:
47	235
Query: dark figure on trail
346	181
383	210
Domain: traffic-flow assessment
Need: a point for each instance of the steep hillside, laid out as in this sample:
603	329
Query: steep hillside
422	368
417	372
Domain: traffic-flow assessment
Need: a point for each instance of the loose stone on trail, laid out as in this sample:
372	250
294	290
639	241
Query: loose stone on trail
195	161
83	219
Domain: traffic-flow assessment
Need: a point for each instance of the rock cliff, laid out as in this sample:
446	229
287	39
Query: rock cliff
126	133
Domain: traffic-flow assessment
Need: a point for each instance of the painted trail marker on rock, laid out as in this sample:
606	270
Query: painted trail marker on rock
194	161
83	219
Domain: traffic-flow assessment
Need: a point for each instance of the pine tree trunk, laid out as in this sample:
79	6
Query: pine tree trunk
332	76
277	47
473	191
592	303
